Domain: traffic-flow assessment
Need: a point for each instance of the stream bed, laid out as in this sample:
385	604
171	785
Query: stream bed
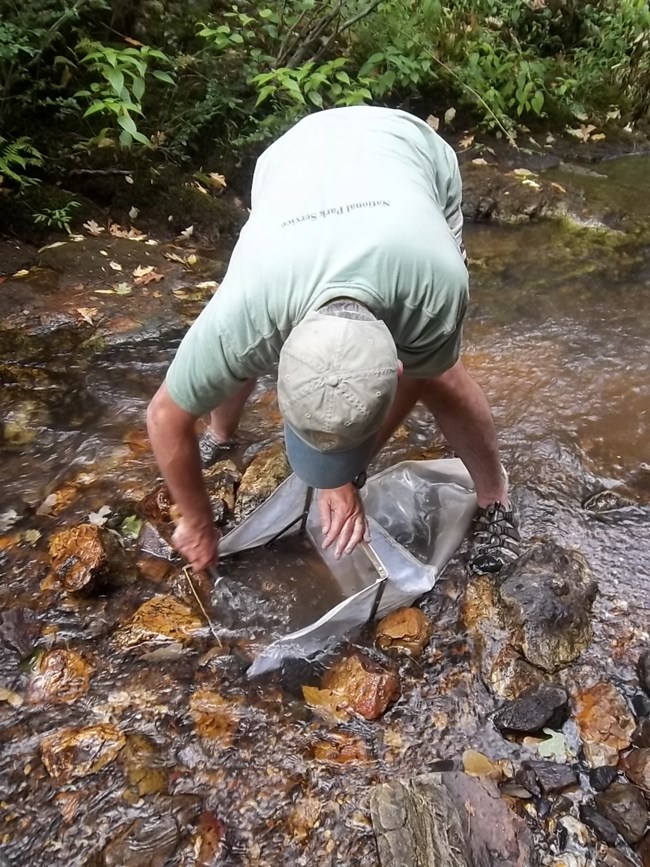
558	335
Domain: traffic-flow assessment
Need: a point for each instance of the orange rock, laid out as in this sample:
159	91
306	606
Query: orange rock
214	718
605	723
60	676
406	629
636	765
71	753
340	749
368	688
80	556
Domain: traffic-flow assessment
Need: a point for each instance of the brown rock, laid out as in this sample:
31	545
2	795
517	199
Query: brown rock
143	770
72	753
156	505
209	840
624	806
222	480
81	557
340	748
368	689
644	850
147	842
510	674
406	629
60	676
303	817
214	718
161	618
636	765
605	723
268	469
475	764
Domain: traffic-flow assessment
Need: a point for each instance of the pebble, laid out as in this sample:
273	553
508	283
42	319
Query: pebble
545	778
602	826
643	670
537	707
602	777
636	765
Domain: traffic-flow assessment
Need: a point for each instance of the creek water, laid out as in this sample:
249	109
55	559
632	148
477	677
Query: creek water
558	336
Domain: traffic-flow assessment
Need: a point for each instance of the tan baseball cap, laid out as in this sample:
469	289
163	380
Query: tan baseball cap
337	379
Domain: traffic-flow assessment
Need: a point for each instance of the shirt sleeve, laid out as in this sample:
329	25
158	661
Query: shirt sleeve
423	362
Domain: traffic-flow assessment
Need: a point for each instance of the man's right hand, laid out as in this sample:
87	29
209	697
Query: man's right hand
197	543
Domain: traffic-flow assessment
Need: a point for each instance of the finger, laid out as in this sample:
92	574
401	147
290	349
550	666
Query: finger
337	525
345	535
358	533
324	513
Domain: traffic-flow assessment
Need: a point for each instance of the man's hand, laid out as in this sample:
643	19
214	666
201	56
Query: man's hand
342	518
197	543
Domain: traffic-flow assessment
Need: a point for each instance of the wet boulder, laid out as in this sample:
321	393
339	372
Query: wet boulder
636	765
625	807
641	736
363	686
77	752
59	676
545	778
547	597
407	630
162	618
604	722
340	749
143	770
156	505
268	469
644	850
614	858
539	706
601	826
81	557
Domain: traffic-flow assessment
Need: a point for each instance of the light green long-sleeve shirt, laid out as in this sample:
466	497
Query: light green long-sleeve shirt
358	202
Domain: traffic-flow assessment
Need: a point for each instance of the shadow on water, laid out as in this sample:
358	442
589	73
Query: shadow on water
558	337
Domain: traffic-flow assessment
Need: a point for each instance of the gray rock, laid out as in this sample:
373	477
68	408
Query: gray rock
543	705
602	826
643	670
547	595
545	778
641	704
602	777
613	858
624	806
448	820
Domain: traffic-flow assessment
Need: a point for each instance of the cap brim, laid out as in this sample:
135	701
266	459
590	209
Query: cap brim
326	469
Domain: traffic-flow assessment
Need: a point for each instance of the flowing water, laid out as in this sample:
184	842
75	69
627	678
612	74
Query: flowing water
559	337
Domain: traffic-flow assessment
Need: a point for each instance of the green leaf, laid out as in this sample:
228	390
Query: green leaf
115	79
128	124
265	92
137	88
315	97
163	76
131	527
537	102
95	107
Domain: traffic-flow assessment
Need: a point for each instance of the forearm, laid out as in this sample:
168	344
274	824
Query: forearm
173	440
464	416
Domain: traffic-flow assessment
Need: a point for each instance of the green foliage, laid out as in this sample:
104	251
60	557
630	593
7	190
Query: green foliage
119	92
57	218
17	157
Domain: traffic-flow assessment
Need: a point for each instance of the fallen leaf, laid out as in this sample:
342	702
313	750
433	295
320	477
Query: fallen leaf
466	142
329	704
599	136
583	132
52	246
122	289
200	188
132	41
131	234
22	273
31	536
133	212
115	265
555	747
218	181
87	314
142	270
186	234
523	173
450	114
479	161
99	517
434	122
614	114
128	179
131	526
527	182
76	238
11	697
94	228
149	277
208	284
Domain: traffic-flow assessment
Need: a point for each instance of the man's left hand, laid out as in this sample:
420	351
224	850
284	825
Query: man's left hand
342	518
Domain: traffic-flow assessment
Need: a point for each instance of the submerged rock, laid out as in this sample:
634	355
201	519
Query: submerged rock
603	828
71	753
162	618
59	676
625	807
157	504
214	718
545	778
641	736
547	596
510	675
636	765
81	557
147	842
604	722
222	480
340	749
543	705
268	469
476	764
366	687
407	629
143	769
